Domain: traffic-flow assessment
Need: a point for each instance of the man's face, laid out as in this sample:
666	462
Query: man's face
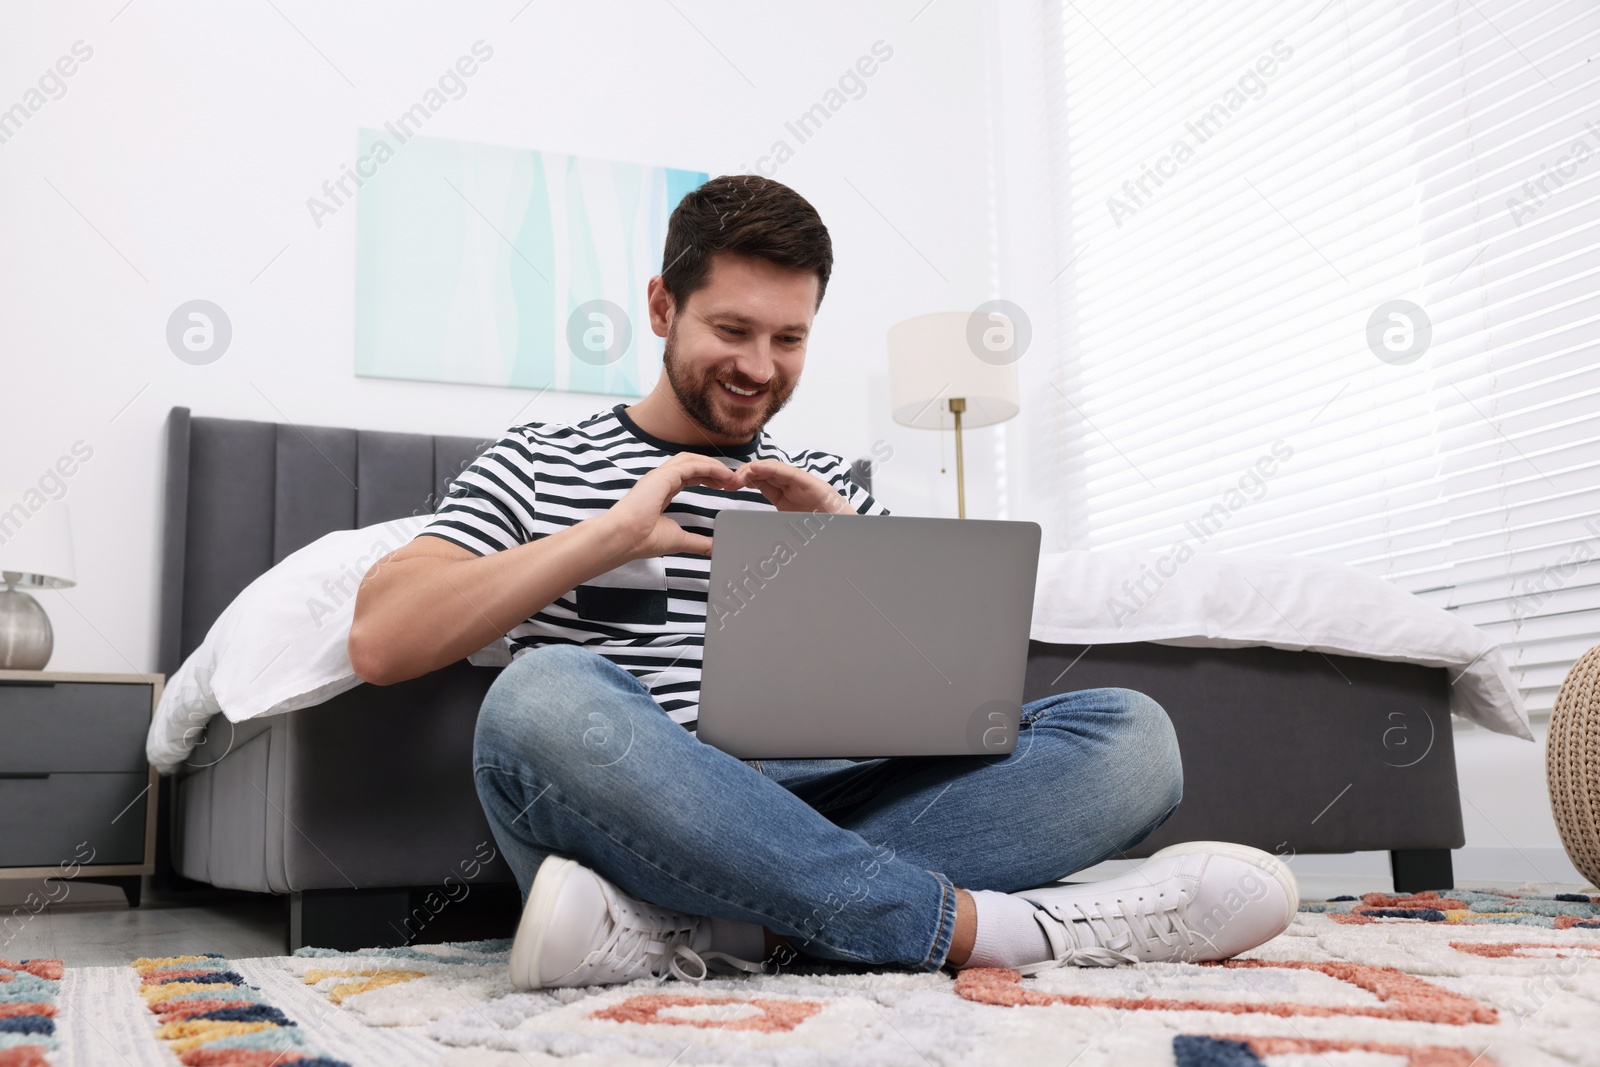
735	348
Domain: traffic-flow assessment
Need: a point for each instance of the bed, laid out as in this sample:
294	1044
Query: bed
362	808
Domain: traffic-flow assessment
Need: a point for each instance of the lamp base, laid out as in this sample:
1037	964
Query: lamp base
26	639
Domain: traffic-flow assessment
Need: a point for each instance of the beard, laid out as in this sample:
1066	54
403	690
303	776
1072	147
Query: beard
697	393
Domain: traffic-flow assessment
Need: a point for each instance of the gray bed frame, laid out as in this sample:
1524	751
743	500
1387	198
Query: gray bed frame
362	808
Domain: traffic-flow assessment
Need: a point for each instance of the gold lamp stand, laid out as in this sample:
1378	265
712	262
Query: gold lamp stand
957	406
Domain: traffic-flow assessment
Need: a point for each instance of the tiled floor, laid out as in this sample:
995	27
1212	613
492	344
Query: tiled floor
109	933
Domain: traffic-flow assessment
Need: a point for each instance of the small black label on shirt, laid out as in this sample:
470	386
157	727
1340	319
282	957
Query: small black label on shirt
599	603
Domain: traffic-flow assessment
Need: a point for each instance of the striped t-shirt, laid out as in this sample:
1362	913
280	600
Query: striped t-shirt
647	616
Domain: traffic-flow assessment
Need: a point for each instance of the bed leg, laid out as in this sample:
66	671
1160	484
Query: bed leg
129	884
350	919
1419	869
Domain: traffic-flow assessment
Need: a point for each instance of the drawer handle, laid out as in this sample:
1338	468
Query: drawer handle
23	774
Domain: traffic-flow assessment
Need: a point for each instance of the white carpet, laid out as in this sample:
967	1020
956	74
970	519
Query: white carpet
1464	980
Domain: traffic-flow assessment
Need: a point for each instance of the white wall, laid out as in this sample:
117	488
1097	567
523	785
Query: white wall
1505	806
179	160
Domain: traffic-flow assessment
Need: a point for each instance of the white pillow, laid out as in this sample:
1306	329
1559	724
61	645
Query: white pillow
282	644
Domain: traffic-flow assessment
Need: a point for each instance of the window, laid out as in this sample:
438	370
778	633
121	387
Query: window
1362	240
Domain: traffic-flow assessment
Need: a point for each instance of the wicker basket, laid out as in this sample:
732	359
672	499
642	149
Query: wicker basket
1572	764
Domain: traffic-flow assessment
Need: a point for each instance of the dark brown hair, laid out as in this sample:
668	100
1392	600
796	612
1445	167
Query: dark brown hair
747	215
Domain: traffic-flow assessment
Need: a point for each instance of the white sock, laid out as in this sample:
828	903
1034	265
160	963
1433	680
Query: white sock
741	940
1008	934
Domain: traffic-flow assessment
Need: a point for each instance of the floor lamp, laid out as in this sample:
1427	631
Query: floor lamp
941	367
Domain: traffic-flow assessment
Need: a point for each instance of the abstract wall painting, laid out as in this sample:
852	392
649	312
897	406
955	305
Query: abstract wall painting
485	265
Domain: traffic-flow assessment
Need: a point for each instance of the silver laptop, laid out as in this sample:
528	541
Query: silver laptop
856	636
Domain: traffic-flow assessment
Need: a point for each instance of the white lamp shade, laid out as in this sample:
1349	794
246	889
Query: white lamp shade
931	360
36	540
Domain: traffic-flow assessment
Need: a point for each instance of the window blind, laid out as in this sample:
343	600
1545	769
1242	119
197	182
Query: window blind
1333	290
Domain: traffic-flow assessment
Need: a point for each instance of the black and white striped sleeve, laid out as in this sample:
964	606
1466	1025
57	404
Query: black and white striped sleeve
837	472
491	505
864	502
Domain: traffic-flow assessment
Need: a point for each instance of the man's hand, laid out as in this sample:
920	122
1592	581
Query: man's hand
791	489
636	523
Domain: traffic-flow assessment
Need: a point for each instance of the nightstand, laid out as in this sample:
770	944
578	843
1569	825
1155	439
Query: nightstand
77	798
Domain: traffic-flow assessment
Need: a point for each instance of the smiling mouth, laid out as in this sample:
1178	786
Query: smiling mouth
737	391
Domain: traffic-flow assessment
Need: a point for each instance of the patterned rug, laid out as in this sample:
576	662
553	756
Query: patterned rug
1463	979
28	994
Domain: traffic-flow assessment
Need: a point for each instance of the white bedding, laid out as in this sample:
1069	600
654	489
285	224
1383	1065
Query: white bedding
1290	602
281	644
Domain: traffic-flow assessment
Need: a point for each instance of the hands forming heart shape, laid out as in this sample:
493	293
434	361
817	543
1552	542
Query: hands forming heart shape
640	530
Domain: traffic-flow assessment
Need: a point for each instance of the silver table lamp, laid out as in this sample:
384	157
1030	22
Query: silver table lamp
935	372
36	552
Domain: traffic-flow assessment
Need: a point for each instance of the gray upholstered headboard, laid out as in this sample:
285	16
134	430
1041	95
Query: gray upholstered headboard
241	495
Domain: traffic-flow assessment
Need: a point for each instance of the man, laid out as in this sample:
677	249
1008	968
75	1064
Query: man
641	851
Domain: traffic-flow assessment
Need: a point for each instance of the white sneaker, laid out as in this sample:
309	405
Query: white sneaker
578	929
1202	900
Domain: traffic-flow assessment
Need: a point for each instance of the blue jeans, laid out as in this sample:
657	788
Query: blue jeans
850	861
